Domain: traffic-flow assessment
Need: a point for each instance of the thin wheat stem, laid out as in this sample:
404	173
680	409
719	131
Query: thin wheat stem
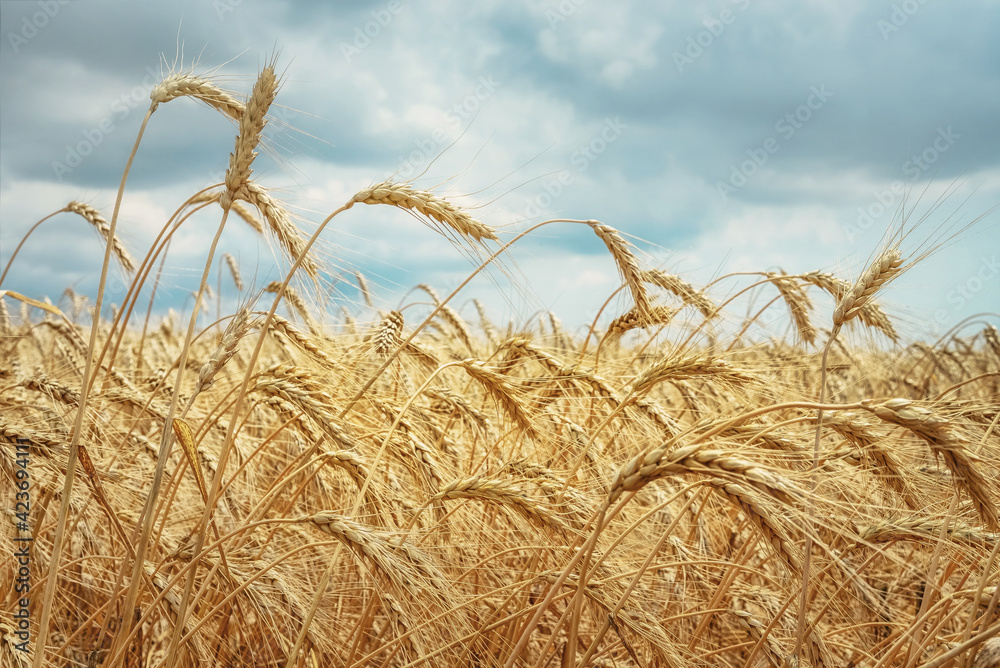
67	492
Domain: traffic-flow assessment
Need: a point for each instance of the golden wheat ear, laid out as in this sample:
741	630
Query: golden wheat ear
627	263
883	270
182	84
94	217
435	207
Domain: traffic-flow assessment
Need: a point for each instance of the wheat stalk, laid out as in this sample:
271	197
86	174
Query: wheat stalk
241	211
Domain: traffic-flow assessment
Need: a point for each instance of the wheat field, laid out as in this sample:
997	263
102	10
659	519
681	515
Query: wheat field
286	486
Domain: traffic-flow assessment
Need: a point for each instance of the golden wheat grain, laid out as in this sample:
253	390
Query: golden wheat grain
180	84
922	527
235	330
40	382
11	641
351	462
280	325
628	265
388	335
234	270
992	339
668	460
851	427
680	288
93	216
363	287
451	316
297	390
5	325
505	394
251	126
437	208
634	319
46	446
674	368
280	223
754	628
407	567
870	313
884	269
798	303
428	462
937	433
988	655
295	299
502	493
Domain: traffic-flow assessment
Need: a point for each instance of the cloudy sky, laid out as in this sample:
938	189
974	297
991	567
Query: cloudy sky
721	136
